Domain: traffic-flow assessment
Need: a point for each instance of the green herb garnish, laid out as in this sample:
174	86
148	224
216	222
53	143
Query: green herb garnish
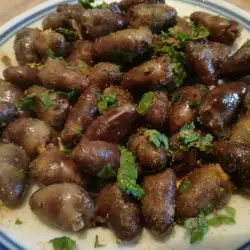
87	4
51	54
106	172
145	103
27	103
103	5
127	174
246	44
197	227
63	243
71	96
221	219
179	74
78	132
185	185
176	98
194	104
120	56
157	139
106	101
97	244
189	138
68	34
18	222
45	99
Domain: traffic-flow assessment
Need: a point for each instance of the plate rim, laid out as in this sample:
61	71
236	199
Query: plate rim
30	16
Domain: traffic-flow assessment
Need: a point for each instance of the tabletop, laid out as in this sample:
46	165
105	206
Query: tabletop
11	8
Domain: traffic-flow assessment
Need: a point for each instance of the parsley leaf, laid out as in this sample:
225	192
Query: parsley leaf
199	31
18	222
103	5
97	244
27	103
127	174
45	99
179	74
220	219
185	185
176	98
106	101
71	96
106	172
51	54
189	138
194	104
78	132
63	243
120	56
246	44
157	138
197	227
87	4
145	103
68	34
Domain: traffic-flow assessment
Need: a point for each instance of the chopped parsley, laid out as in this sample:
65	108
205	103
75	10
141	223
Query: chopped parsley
106	101
63	243
68	34
157	139
246	44
103	5
27	103
194	104
106	172
189	138
185	185
71	96
97	244
18	222
121	57
176	98
87	4
127	174
222	219
78	132
197	227
145	103
51	54
45	99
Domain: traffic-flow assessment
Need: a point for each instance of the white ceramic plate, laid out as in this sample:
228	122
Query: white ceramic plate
34	235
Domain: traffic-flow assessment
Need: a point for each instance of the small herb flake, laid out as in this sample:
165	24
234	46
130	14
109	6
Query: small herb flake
185	185
45	99
157	139
106	172
176	98
87	4
68	34
197	227
18	222
63	243
27	103
120	56
127	174
106	101
51	54
97	244
145	103
35	65
78	132
246	44
71	96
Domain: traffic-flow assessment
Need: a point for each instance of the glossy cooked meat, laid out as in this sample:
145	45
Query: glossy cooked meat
113	125
66	206
56	74
221	29
151	75
31	134
133	41
156	17
13	174
22	76
82	114
93	156
125	4
120	213
52	166
219	108
158	204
